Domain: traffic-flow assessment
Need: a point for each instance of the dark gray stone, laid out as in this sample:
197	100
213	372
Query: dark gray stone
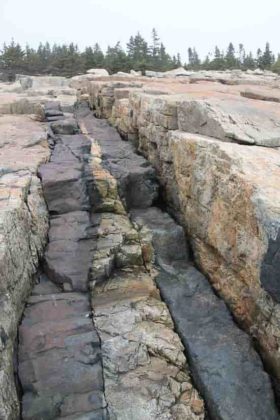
225	367
64	178
270	271
168	238
67	126
69	253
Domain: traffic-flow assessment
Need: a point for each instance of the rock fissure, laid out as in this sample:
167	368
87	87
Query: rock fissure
218	323
120	323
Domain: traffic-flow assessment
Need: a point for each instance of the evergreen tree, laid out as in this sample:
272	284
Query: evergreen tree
219	62
138	53
67	60
116	59
93	57
267	59
155	44
276	65
230	59
241	55
12	59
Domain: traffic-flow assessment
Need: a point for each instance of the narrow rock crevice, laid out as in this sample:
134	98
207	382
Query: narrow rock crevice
222	357
96	340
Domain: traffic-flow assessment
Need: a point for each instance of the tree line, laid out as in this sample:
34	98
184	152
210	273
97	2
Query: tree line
139	55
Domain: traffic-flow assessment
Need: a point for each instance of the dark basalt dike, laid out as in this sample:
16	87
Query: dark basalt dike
60	366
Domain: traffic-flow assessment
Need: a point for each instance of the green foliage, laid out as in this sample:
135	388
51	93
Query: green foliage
67	60
276	65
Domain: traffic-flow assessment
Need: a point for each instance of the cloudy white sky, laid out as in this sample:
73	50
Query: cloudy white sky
180	23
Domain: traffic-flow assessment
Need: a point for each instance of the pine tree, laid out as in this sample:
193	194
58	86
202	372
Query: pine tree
116	59
249	62
230	59
155	43
266	59
276	65
12	59
194	61
138	53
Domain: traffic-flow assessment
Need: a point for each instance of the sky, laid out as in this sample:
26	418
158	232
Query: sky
180	24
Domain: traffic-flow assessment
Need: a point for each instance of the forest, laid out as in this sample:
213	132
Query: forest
138	54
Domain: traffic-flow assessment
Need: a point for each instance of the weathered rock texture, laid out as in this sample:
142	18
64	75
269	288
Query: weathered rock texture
222	358
59	357
127	362
206	327
23	231
145	369
225	194
28	92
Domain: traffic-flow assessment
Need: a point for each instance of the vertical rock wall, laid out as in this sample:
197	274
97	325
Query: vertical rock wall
225	194
23	232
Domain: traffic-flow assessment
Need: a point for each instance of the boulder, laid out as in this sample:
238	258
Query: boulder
136	73
98	72
67	126
180	71
262	94
233	120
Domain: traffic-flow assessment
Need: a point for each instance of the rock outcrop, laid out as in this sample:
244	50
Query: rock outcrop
121	323
29	92
224	193
23	234
87	358
158	239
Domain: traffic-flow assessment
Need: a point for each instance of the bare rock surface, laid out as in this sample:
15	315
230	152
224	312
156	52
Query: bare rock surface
231	120
23	231
162	241
129	362
126	363
136	178
145	370
60	366
261	94
224	194
24	96
216	347
144	365
59	359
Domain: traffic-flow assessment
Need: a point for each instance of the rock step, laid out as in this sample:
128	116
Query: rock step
59	358
64	177
136	178
226	368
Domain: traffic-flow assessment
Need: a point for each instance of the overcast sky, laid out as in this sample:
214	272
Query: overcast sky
180	23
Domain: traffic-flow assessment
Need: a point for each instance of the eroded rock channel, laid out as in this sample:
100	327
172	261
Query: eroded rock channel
121	325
